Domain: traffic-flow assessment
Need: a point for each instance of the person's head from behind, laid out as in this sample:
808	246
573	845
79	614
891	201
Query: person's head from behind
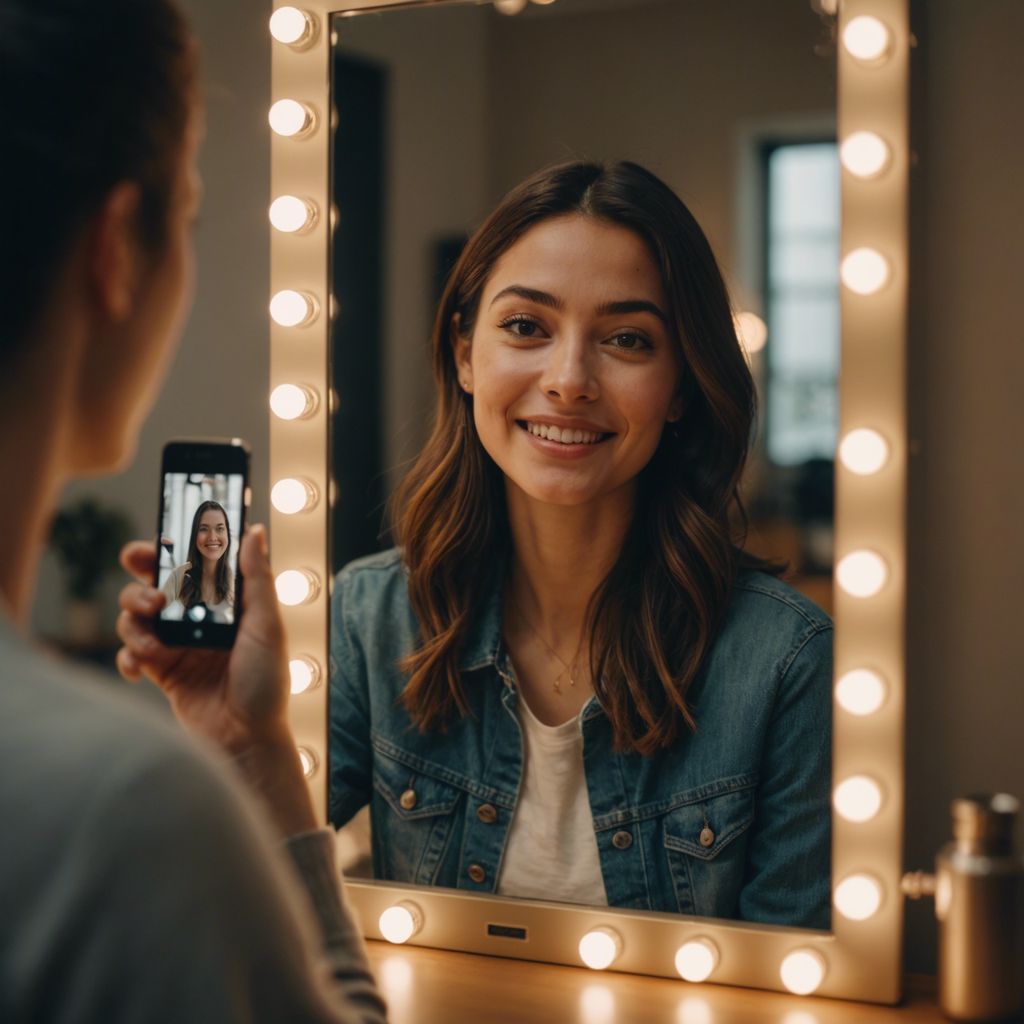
585	353
209	547
101	117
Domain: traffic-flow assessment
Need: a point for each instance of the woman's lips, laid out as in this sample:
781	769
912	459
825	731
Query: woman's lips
590	441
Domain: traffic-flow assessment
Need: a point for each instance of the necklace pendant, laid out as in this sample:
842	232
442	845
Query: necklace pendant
557	684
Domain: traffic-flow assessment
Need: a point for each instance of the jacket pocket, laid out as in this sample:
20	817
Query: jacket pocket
705	843
413	819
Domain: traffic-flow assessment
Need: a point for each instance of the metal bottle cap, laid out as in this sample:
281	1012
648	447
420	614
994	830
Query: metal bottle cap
984	823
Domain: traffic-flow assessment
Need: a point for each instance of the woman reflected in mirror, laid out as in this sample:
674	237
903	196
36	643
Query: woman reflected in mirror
569	681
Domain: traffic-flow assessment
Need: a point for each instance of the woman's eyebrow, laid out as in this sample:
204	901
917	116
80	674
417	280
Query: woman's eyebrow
531	295
632	306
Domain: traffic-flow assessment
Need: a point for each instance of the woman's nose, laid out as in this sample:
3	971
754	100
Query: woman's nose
568	373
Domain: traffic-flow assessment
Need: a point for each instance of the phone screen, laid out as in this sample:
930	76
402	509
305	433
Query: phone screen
202	515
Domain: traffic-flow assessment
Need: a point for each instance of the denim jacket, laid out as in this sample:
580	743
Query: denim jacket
732	821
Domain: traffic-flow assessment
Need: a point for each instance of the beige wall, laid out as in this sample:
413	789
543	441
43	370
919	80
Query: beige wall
966	641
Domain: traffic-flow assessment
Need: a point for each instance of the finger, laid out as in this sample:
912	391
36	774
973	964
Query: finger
139	558
138	636
128	665
140	599
260	609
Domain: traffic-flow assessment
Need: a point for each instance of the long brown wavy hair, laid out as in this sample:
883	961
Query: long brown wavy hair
656	614
192	583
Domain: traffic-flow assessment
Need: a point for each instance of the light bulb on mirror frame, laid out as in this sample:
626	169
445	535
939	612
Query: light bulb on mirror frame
291	119
304	674
864	271
297	586
857	799
866	39
400	922
290	308
862	573
292	214
860	691
864	154
600	948
293	401
863	451
803	971
309	761
293	27
751	331
696	959
858	897
293	495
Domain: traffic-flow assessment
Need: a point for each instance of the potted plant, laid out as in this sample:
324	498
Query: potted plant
87	537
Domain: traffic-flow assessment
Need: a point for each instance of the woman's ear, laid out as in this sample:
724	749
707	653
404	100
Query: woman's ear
114	253
675	410
461	348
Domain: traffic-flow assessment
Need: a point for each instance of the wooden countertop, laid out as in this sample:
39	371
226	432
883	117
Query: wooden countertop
433	986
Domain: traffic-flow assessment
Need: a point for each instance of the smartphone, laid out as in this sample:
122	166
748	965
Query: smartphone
204	498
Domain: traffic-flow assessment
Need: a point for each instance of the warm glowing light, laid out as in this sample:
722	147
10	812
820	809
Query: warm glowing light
862	573
309	761
597	1005
291	26
864	154
291	401
864	271
304	672
290	118
296	586
858	897
696	959
510	6
290	214
857	798
401	922
860	691
866	38
600	948
803	971
694	1010
292	309
395	975
292	495
864	451
751	330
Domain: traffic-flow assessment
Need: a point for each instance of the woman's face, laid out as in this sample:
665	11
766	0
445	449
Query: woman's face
212	536
572	365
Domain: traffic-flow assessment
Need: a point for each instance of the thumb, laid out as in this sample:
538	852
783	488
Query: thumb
259	595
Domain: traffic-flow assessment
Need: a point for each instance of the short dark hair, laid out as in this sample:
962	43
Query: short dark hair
91	94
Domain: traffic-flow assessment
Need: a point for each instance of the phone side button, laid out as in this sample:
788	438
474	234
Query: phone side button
248	496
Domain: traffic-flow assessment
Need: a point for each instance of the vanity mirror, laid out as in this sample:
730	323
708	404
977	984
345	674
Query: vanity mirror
437	109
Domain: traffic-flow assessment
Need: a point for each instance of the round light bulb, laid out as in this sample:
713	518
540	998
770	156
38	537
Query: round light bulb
296	586
864	154
292	309
696	959
309	762
866	38
600	948
289	118
304	673
751	330
864	271
292	401
857	799
864	451
862	573
401	922
292	495
860	692
289	214
858	897
291	26
803	971
510	6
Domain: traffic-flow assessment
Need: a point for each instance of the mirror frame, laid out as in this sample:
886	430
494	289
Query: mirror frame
861	958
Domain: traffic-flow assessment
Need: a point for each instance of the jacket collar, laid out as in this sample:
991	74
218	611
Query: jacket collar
483	644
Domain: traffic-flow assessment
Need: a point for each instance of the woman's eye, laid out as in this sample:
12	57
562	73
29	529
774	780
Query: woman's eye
630	341
521	326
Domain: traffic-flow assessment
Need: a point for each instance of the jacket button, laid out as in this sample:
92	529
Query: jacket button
622	840
476	873
487	813
408	799
707	837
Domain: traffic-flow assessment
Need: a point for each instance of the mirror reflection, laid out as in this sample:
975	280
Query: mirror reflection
580	646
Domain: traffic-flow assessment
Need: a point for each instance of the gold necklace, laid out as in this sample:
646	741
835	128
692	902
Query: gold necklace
569	667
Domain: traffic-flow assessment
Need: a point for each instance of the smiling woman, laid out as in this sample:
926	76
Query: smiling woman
569	682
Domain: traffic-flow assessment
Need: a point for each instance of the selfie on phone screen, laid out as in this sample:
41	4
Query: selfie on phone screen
202	516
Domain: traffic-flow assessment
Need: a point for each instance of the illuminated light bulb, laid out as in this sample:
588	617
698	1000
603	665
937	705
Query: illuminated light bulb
292	401
293	309
289	214
292	495
290	118
597	1005
857	799
866	38
860	691
864	451
291	26
305	674
862	573
751	330
600	948
864	154
510	7
864	271
803	971
401	922
296	586
858	897
696	959
310	762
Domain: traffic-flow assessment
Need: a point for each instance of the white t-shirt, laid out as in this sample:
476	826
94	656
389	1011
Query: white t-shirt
551	851
174	609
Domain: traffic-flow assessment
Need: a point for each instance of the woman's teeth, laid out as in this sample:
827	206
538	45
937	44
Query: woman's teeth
563	435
